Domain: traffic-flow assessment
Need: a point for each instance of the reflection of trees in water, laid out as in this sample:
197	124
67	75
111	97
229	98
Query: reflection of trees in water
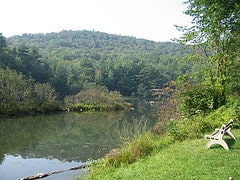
2	157
84	136
65	137
71	136
143	111
134	127
20	133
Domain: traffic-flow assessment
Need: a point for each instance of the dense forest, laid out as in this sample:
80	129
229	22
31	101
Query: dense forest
40	70
74	60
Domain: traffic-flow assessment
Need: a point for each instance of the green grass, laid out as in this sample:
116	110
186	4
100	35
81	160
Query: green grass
182	160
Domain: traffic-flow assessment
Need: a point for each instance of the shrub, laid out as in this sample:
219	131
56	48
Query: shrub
20	94
139	147
185	129
223	115
96	98
198	97
195	126
168	110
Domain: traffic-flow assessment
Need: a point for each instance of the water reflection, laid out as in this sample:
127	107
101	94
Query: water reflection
67	137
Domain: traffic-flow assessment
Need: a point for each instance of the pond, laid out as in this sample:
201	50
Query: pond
45	143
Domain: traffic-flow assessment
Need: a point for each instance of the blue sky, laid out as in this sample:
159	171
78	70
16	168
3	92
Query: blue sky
148	19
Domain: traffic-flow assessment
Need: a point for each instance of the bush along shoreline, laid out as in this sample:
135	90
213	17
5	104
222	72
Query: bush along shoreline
79	107
22	95
97	98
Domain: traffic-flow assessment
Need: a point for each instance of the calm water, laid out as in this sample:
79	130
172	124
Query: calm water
46	143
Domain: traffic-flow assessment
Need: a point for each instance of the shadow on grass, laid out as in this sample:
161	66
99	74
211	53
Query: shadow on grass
230	143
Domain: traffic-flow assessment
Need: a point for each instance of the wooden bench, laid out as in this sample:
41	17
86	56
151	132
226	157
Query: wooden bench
217	136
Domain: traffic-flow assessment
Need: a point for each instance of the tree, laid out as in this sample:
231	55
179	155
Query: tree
215	32
20	94
2	42
6	57
30	64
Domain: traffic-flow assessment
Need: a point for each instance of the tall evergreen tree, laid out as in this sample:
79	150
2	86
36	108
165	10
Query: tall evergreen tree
2	42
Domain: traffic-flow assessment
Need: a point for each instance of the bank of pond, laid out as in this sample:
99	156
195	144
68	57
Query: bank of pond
98	107
98	98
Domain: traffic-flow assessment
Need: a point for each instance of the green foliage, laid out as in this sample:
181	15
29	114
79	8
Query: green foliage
3	43
128	65
233	86
168	110
98	107
222	115
195	126
96	98
24	81
21	95
139	147
214	35
185	129
195	98
27	60
45	98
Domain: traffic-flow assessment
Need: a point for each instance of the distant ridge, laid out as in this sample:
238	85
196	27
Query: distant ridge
94	40
126	64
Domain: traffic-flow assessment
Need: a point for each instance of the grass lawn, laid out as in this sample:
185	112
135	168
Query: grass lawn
183	160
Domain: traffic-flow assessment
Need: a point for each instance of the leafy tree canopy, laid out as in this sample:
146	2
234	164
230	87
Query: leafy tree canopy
126	64
216	40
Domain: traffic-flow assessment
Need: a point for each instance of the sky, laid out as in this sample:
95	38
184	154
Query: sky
147	19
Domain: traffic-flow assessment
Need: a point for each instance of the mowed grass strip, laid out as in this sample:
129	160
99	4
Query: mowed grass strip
183	160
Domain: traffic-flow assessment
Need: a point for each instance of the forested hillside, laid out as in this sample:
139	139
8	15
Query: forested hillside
24	82
75	60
